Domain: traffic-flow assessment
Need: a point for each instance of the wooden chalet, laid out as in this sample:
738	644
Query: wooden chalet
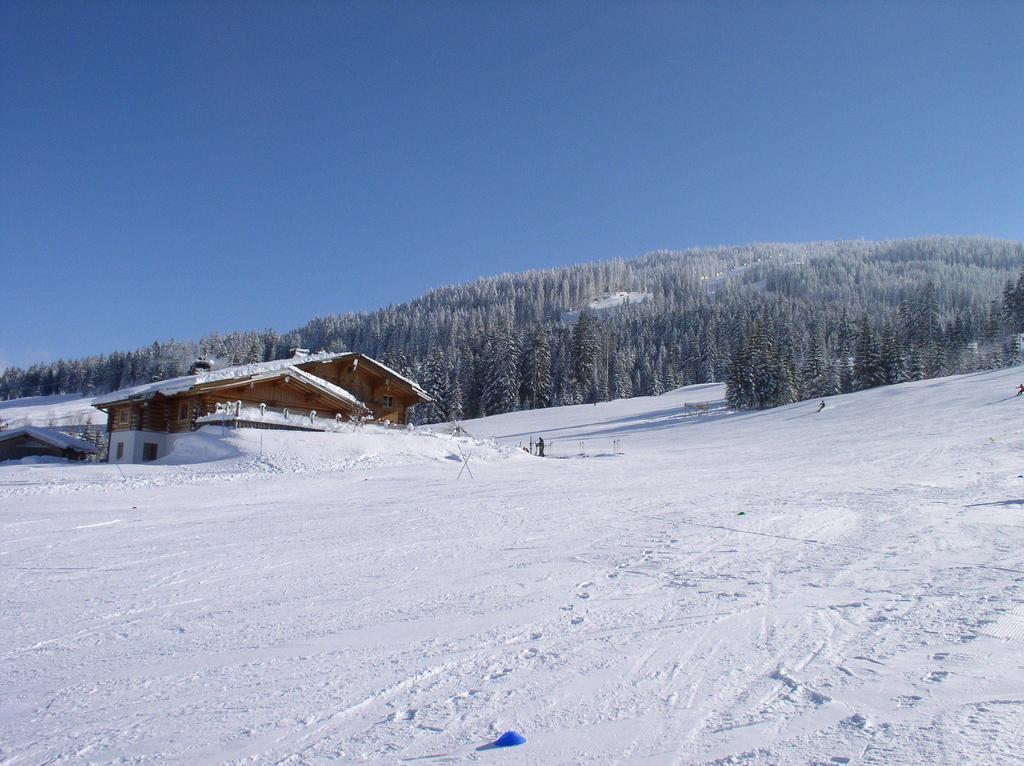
305	392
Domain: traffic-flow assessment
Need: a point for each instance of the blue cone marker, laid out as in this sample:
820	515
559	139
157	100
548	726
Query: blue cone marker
509	739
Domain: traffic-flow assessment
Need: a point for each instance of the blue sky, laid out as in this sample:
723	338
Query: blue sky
169	169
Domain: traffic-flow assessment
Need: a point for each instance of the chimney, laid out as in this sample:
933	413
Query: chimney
297	352
200	365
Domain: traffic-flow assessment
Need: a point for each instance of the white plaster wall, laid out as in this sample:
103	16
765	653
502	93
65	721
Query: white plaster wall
133	445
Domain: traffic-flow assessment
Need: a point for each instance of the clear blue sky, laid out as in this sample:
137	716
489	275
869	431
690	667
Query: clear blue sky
169	168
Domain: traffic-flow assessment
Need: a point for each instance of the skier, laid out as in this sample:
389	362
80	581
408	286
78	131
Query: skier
540	446
821	406
1020	390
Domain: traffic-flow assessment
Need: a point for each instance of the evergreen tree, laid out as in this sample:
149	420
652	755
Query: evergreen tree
930	327
708	351
892	366
437	376
537	370
473	388
867	360
253	350
916	366
621	383
818	375
568	392
740	381
657	384
501	382
772	370
1013	304
585	349
1015	351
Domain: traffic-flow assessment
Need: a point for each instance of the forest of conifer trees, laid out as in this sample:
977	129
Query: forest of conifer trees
777	323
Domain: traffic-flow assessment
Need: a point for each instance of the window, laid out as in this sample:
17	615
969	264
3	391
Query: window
120	450
122	416
183	411
148	452
389	401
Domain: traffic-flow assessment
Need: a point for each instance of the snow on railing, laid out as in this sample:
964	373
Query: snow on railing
240	414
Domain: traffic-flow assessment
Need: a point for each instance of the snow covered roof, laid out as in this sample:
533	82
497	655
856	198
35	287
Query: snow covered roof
258	370
50	436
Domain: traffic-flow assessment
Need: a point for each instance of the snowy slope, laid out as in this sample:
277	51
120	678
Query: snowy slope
781	587
641	422
64	410
607	301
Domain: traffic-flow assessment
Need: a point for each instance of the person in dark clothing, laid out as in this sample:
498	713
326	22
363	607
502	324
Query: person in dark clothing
540	446
821	406
1020	390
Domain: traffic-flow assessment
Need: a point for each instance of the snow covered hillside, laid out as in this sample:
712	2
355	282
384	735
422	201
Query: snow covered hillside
779	587
67	410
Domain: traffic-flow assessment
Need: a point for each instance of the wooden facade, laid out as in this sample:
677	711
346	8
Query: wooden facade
24	443
177	413
388	395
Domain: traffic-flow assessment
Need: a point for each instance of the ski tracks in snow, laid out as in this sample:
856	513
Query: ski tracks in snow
754	594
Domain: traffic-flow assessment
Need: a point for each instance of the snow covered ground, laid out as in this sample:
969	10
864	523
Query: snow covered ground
781	587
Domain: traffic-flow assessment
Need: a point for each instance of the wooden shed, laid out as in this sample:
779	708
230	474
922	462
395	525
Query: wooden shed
29	441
